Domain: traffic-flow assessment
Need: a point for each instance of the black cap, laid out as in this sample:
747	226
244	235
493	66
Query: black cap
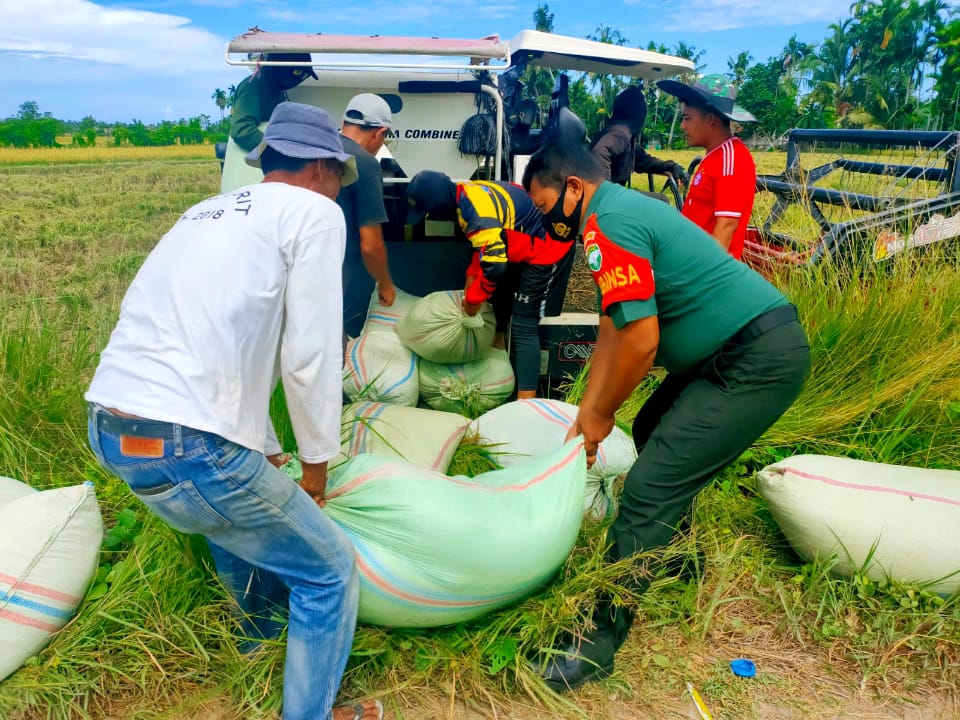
429	191
292	57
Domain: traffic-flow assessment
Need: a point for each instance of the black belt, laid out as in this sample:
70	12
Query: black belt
108	422
780	315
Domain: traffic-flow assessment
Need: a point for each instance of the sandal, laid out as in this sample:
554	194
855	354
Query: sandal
358	710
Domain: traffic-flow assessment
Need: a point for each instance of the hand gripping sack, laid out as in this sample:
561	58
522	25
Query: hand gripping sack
49	547
467	388
904	520
529	428
381	318
423	438
437	329
379	367
435	550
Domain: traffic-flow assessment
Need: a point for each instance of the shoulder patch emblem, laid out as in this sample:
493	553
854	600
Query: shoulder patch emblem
594	257
697	178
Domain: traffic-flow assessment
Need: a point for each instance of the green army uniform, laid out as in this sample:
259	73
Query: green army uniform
736	356
255	100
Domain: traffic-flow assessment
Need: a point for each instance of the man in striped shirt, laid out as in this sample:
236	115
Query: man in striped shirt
720	194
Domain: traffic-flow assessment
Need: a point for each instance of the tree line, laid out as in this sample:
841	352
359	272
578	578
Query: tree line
892	64
31	128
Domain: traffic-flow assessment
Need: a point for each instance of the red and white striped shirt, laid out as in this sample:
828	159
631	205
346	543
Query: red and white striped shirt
723	186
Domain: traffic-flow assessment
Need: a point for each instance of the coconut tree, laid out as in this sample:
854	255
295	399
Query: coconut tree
219	97
738	68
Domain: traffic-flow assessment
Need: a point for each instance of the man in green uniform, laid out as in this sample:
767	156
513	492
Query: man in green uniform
258	94
735	352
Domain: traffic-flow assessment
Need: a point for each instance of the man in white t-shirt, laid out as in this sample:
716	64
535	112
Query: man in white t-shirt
242	291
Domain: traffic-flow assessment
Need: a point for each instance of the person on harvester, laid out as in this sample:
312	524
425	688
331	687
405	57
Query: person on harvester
518	265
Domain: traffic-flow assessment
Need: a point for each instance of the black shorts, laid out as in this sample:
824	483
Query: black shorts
532	290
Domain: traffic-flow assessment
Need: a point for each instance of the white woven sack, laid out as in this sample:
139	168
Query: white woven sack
381	318
423	438
11	489
49	546
529	428
437	329
467	388
907	518
379	368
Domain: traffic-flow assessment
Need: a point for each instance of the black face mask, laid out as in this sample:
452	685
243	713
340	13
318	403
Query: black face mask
561	226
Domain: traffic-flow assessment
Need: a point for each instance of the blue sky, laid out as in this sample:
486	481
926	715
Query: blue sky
152	60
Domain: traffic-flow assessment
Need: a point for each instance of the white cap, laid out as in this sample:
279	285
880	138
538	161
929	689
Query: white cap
368	110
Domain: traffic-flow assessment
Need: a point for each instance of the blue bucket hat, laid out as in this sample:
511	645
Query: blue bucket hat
304	131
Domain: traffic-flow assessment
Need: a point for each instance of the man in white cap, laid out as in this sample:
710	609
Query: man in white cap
245	289
366	123
720	196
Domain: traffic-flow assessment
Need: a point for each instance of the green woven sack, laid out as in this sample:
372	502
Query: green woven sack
436	550
436	328
467	388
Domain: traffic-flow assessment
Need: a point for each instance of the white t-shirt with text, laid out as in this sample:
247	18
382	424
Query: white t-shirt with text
244	289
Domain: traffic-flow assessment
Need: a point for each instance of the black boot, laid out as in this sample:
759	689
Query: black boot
588	656
581	660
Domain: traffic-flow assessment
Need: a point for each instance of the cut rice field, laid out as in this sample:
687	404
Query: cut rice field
155	637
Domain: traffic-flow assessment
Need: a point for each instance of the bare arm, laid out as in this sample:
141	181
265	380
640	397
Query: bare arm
621	360
724	229
374	253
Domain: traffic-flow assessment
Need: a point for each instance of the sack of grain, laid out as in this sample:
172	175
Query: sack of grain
530	428
467	388
423	438
378	367
436	550
894	521
49	547
436	328
384	319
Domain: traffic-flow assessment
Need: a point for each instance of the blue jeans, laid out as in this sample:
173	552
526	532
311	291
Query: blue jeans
273	547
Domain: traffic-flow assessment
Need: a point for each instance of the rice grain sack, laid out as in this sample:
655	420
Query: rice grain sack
437	329
529	428
11	489
49	547
905	520
381	318
467	388
378	367
436	550
423	438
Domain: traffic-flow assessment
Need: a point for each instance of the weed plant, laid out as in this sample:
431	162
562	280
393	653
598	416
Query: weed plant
155	636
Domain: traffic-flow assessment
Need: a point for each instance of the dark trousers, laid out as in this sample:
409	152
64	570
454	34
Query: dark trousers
526	293
695	425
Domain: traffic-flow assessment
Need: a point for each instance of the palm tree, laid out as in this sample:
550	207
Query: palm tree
610	85
220	98
538	82
738	68
231	95
834	71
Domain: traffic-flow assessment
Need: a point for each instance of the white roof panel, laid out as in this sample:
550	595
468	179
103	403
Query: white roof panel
567	53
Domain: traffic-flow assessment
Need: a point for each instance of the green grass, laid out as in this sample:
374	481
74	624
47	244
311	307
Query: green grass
155	638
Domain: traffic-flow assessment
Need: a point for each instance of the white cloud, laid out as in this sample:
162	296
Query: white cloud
421	17
708	15
132	39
